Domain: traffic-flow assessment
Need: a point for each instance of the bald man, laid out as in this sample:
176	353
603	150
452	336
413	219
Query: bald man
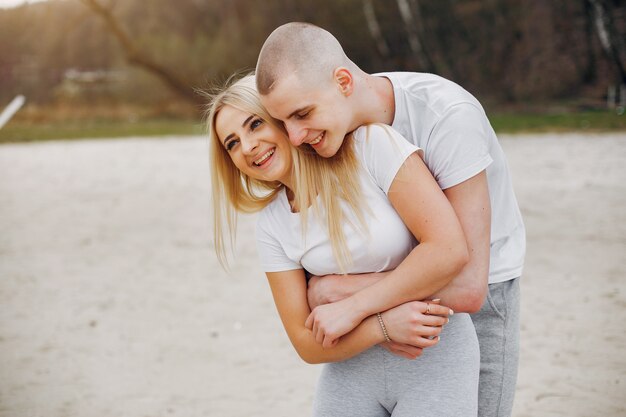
306	80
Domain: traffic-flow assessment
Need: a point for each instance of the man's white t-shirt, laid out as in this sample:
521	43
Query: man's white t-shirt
383	246
451	127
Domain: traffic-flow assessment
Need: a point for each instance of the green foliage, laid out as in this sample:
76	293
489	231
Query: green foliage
506	50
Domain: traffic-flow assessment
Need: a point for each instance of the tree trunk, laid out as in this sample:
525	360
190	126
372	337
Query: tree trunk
134	56
606	32
413	27
374	28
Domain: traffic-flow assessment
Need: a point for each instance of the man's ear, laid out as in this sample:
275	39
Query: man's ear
345	81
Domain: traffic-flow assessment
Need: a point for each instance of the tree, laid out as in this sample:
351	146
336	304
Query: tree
140	58
606	31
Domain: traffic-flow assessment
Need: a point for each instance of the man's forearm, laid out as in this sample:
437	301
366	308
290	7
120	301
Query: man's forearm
459	297
333	288
470	200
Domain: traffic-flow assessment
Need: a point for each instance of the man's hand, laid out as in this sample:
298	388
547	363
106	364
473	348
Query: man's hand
332	288
405	351
320	290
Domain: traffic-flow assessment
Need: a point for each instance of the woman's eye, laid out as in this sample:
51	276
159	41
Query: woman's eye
302	115
231	144
256	123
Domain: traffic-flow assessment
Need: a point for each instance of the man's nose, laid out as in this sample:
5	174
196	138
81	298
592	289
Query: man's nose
296	133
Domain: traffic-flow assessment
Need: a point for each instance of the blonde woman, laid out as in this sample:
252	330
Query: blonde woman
354	213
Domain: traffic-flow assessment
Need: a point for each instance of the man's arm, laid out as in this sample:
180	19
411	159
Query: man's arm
470	200
466	292
332	288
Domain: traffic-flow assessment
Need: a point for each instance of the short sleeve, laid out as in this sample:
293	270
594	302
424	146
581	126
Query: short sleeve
271	253
458	148
383	151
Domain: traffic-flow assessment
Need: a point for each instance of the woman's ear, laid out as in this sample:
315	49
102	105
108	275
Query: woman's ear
345	81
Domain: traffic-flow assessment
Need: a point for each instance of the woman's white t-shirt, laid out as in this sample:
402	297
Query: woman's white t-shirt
387	241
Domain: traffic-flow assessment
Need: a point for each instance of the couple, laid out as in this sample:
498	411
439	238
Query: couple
377	222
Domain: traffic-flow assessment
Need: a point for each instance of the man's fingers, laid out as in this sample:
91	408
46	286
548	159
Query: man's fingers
403	354
328	342
315	331
319	335
406	351
423	342
402	350
309	322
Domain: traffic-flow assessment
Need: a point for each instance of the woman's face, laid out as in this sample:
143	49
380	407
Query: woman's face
256	147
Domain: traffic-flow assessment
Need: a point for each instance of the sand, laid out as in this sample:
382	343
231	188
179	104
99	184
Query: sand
112	302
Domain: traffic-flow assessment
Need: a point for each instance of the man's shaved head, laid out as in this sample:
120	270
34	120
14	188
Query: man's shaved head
305	50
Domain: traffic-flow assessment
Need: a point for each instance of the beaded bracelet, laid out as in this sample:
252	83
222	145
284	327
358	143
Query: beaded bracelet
382	326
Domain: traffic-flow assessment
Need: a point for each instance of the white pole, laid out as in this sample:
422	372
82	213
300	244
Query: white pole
11	109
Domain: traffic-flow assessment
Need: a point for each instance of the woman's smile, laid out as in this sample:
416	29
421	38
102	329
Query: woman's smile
265	159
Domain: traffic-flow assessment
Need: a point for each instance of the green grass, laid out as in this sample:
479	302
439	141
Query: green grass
557	122
20	131
24	131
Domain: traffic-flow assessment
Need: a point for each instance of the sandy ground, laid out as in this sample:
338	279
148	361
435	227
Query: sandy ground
112	302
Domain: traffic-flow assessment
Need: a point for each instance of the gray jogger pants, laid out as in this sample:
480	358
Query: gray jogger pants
443	382
497	327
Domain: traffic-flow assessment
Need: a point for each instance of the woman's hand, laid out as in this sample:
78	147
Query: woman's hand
416	323
329	322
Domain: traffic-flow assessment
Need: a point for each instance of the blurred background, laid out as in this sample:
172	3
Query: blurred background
112	302
118	67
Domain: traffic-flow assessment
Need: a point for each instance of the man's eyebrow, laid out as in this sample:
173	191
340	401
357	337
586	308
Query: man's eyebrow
245	122
300	110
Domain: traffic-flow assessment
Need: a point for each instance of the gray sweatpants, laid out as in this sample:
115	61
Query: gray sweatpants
443	382
497	327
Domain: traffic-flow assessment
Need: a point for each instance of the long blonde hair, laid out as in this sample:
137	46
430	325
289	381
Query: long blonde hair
319	183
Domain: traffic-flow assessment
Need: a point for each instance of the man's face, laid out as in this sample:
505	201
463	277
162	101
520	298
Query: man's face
317	115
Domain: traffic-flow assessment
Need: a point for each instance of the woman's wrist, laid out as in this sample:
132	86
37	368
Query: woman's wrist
383	328
374	330
360	306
